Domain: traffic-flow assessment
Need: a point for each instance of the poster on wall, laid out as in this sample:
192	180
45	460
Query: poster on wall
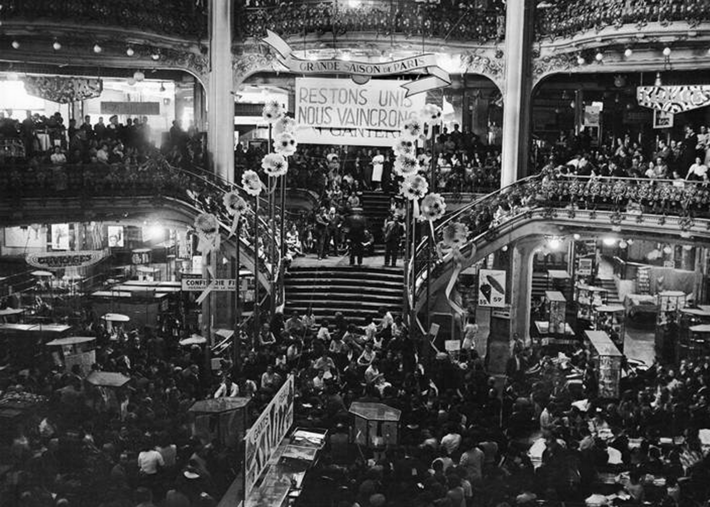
338	111
584	267
25	237
115	236
60	236
265	435
592	115
491	288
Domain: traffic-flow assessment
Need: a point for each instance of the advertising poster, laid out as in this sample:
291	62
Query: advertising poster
584	267
266	434
491	288
115	236
60	236
339	111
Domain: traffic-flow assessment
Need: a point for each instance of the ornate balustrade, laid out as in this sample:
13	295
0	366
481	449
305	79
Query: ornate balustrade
565	19
408	18
184	18
198	191
620	201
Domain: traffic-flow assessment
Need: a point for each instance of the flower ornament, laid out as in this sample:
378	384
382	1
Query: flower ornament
236	205
413	128
414	188
403	146
285	124
273	111
433	207
454	237
252	183
285	144
207	228
406	166
274	164
432	114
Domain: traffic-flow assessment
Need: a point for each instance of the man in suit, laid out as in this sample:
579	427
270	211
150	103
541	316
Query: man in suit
392	235
355	226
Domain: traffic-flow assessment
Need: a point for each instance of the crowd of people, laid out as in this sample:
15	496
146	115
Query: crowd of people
483	20
564	19
681	158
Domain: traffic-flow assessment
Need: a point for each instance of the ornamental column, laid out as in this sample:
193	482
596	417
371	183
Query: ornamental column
220	100
521	266
517	89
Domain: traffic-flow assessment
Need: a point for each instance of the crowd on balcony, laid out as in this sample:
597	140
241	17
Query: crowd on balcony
684	157
565	19
460	20
182	18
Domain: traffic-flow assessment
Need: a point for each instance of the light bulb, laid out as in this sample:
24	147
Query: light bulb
581	60
97	48
658	81
138	76
599	56
57	46
130	52
15	45
155	56
628	52
666	51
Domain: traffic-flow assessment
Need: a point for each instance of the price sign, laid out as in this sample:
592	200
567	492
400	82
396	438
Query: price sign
491	288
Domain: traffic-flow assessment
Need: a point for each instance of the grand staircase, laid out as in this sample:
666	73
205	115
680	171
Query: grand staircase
358	293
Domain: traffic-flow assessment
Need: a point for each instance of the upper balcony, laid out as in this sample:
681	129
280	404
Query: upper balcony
186	19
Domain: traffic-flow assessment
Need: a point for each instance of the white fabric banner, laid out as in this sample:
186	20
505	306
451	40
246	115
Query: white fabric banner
339	111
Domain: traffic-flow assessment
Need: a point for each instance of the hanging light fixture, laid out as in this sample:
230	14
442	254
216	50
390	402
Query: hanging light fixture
628	52
97	49
130	51
15	45
658	81
666	51
56	46
155	56
599	56
162	87
581	60
138	76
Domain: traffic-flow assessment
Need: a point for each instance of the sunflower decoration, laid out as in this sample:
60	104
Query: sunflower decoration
403	146
272	112
414	188
406	166
433	207
285	144
432	114
236	206
274	165
455	235
207	228
285	124
252	183
413	128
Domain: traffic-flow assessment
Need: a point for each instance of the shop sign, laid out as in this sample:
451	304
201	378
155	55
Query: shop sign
585	267
674	99
265	435
61	260
361	72
491	288
338	111
662	119
200	284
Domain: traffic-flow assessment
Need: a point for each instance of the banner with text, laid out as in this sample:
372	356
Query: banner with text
266	434
674	99
61	260
338	111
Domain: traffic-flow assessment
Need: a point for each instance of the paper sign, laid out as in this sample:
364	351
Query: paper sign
491	288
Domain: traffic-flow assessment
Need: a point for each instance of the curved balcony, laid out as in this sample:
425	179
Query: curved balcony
118	192
543	204
464	22
566	19
187	19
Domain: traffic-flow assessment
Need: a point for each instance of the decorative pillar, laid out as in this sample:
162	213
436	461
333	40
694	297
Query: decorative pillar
521	266
517	89
220	101
199	103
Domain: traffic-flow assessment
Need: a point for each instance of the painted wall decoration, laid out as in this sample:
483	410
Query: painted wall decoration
63	89
674	99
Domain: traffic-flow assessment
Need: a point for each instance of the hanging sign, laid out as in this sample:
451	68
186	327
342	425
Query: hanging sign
361	72
673	99
662	119
491	288
338	111
61	260
265	435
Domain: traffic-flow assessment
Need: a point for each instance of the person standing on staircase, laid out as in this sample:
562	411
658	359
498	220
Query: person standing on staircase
322	233
355	226
392	236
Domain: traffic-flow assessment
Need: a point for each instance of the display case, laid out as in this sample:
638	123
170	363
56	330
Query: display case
607	362
587	298
556	311
611	319
670	306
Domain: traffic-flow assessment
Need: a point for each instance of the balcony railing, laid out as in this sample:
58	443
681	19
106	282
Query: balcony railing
199	191
565	19
625	198
187	18
465	21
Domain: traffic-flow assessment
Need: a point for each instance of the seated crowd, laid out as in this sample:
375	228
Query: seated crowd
685	158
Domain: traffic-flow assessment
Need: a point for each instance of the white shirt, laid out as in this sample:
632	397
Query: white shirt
370	331
700	170
150	461
227	391
323	334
